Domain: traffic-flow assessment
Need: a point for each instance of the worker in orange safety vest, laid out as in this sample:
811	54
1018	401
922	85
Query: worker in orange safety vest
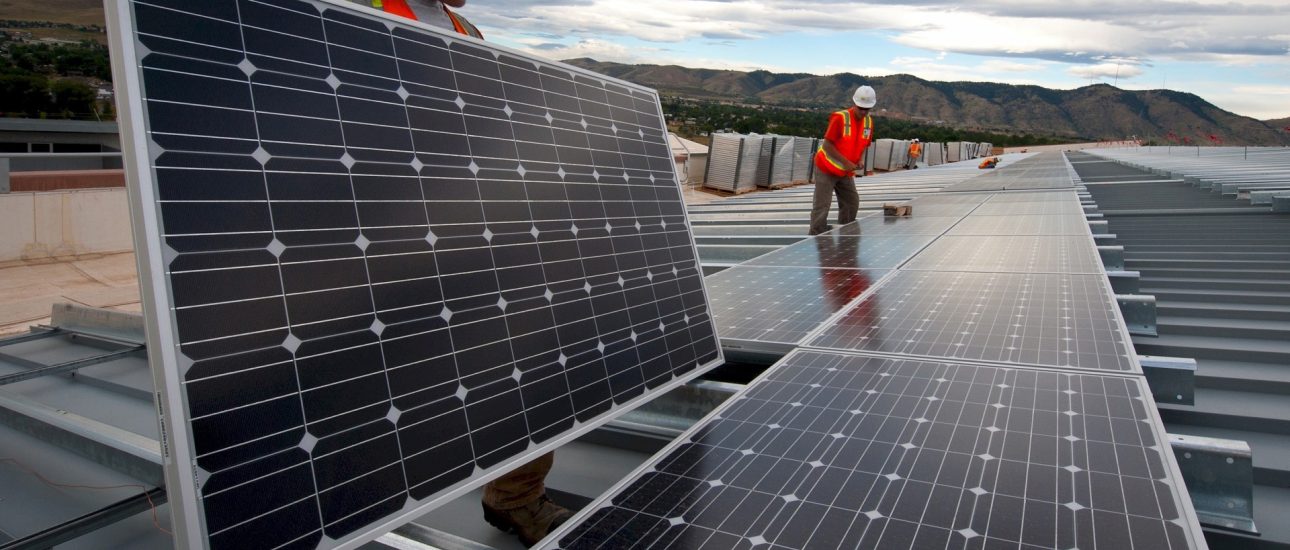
915	152
840	155
432	12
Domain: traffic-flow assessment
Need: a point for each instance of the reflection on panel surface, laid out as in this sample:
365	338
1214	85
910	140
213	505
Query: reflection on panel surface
1036	319
846	251
782	304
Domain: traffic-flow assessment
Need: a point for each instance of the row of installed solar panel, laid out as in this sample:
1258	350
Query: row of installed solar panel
977	399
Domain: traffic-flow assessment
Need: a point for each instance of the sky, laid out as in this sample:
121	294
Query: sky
1235	54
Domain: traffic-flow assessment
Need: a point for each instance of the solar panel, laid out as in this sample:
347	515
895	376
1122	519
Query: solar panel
1021	225
846	251
1053	320
831	450
1029	254
781	304
386	262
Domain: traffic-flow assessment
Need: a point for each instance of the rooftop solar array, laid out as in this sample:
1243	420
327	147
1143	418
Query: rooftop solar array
1037	172
838	450
384	263
985	394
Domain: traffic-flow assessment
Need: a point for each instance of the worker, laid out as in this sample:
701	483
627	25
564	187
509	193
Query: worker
989	162
841	153
915	152
516	502
431	12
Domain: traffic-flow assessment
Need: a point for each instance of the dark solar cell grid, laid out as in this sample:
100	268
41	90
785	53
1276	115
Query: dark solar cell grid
394	260
834	450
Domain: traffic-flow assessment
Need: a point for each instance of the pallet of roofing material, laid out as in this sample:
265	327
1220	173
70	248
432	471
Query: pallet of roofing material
957	151
803	159
870	154
985	149
883	150
723	162
749	163
765	161
900	155
781	173
934	153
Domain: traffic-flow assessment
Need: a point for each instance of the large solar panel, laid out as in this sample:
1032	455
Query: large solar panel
1053	320
846	251
753	306
995	253
832	450
383	262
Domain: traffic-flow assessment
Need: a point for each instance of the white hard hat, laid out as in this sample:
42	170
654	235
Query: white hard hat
865	97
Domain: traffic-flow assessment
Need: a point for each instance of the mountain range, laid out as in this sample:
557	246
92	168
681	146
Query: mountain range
1096	112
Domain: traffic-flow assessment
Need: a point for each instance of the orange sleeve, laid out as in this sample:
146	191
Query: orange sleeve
834	132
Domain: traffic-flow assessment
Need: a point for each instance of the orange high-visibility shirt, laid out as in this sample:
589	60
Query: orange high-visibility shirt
915	149
401	8
849	136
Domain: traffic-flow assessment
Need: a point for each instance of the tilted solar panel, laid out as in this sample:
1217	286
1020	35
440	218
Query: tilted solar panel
383	262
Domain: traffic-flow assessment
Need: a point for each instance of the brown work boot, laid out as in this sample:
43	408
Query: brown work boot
531	522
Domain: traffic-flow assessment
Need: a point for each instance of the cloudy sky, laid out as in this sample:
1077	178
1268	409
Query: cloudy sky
1234	53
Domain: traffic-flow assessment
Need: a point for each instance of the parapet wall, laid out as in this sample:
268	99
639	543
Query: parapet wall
35	226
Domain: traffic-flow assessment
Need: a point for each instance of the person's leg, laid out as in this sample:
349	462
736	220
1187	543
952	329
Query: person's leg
517	502
820	201
520	486
848	200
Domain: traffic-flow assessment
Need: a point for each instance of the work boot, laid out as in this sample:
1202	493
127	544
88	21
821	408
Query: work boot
531	522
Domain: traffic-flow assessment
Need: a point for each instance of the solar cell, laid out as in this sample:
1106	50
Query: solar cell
996	253
846	251
753	305
832	450
384	262
1054	320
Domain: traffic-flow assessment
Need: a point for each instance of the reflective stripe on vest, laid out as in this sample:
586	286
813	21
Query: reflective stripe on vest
396	7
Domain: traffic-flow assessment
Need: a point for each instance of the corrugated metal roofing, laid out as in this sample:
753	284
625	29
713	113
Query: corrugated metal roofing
1219	268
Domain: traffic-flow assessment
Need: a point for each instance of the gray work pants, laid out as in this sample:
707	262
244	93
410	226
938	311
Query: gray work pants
827	185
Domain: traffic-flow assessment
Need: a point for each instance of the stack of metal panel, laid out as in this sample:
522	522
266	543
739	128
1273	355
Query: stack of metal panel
803	159
958	150
766	160
985	149
884	154
723	162
934	153
781	165
750	164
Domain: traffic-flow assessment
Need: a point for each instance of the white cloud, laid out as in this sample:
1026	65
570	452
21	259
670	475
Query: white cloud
1105	70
